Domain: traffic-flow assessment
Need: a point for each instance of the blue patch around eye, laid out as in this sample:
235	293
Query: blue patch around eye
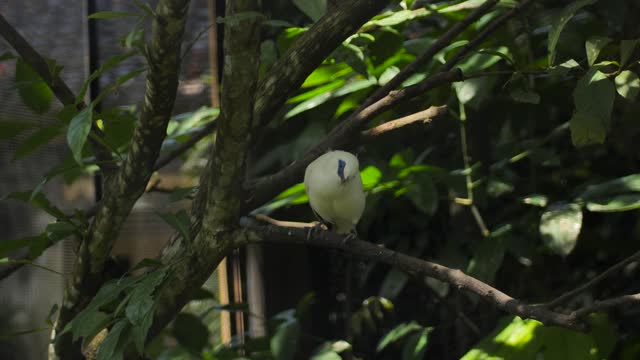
341	165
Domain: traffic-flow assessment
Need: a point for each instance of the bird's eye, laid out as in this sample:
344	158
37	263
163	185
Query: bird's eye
341	165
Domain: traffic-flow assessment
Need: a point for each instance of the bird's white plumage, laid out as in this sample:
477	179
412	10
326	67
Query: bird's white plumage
337	200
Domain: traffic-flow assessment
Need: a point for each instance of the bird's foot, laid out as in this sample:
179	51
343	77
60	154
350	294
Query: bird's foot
316	228
350	236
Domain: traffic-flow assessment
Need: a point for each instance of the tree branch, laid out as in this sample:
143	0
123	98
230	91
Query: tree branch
216	207
591	283
424	117
308	51
182	148
606	305
123	188
256	232
426	56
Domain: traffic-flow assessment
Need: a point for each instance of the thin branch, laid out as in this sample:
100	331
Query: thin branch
308	51
424	117
255	232
182	148
425	57
591	283
602	305
484	34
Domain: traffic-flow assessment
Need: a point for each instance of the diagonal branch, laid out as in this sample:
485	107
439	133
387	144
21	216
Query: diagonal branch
446	39
309	50
256	232
424	117
55	82
593	282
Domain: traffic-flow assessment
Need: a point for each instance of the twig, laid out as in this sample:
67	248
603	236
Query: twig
255	232
182	148
484	33
591	283
424	116
606	304
425	57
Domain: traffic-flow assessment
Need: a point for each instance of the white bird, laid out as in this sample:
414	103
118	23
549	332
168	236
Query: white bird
335	191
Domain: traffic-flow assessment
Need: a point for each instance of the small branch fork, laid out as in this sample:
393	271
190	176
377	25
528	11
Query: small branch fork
275	231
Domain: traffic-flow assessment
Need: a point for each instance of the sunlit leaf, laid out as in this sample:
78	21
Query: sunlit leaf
112	347
560	226
397	333
623	202
416	346
628	84
593	46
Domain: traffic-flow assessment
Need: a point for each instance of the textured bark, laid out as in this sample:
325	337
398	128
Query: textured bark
218	204
123	188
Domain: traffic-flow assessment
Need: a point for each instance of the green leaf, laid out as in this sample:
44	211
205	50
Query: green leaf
628	84
9	129
112	348
564	68
78	131
141	306
626	50
38	139
593	47
487	258
352	56
625	184
285	340
40	201
314	9
397	333
416	346
587	129
33	90
616	203
179	221
557	26
525	96
536	200
393	283
593	97
560	226
485	59
7	55
54	310
387	75
423	194
7	246
111	15
371	176
397	17
111	62
190	332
